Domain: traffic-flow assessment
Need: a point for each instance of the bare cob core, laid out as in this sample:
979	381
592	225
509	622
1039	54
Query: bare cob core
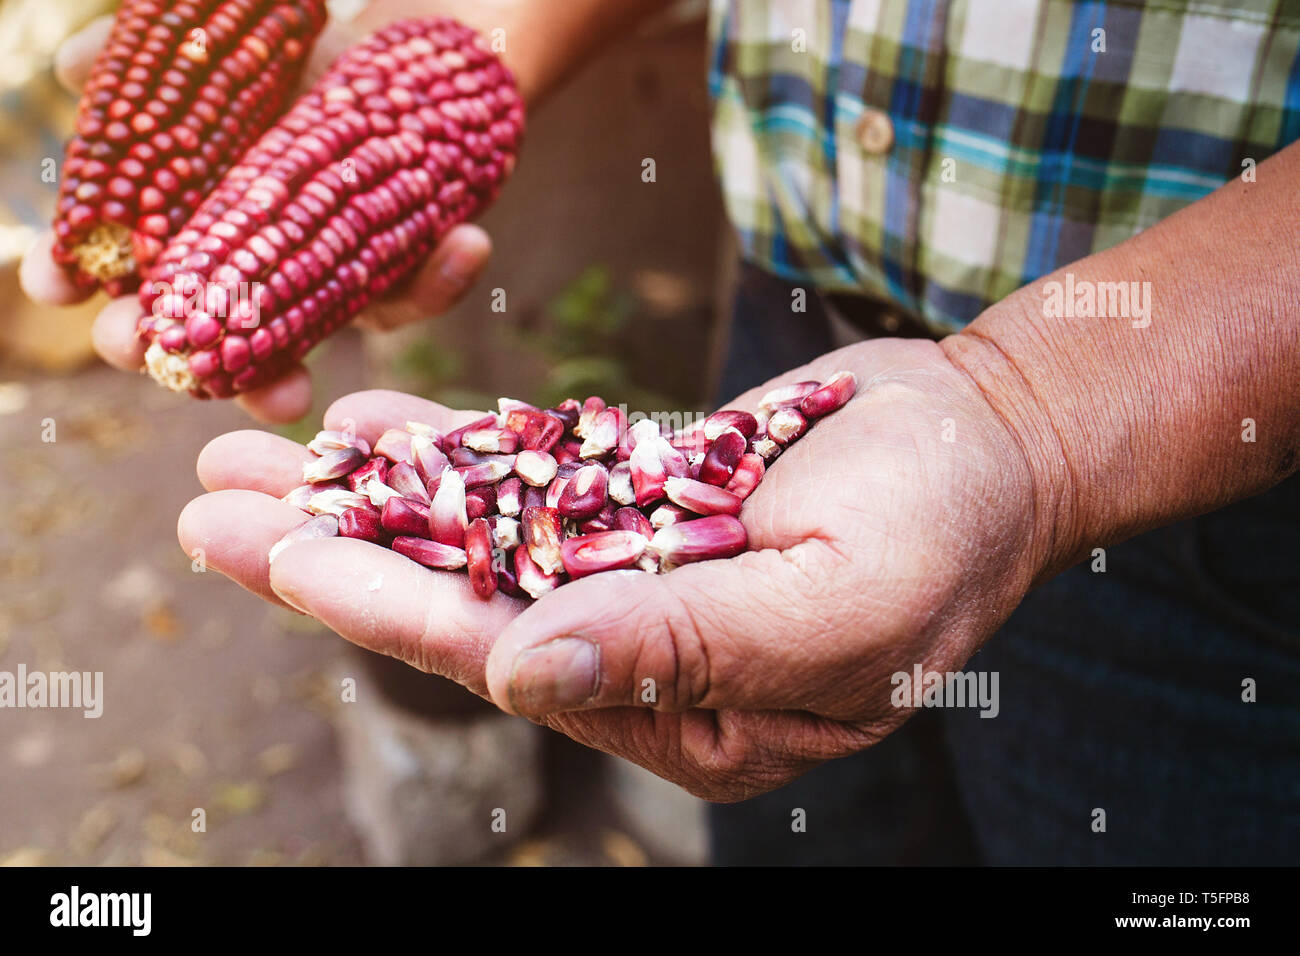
177	94
409	133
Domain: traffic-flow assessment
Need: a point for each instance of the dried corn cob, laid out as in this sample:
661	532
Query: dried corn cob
408	133
677	519
175	97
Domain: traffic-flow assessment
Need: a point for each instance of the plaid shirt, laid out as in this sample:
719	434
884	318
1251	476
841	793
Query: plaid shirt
939	154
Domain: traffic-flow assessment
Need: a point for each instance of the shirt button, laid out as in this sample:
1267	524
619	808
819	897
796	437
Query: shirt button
875	132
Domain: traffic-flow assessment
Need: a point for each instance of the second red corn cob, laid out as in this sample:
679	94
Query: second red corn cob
408	133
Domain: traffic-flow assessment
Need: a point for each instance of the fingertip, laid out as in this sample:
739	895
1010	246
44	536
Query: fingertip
114	334
76	55
455	265
41	278
285	400
252	459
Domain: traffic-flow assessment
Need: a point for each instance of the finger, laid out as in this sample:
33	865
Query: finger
384	602
232	531
717	755
715	634
370	413
441	282
287	399
76	55
114	334
41	278
254	461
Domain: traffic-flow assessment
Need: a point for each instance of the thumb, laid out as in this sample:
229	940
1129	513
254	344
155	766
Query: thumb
716	634
76	54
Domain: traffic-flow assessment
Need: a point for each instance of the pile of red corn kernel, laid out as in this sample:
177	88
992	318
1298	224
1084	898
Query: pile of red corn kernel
528	498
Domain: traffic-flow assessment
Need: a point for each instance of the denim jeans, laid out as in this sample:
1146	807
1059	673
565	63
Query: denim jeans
1120	692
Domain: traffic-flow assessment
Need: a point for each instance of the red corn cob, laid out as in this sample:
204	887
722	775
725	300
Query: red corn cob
173	100
409	133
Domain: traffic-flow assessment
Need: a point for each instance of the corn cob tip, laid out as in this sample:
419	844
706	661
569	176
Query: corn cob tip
106	253
169	369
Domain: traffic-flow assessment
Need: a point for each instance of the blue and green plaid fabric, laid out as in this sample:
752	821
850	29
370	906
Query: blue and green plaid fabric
1026	133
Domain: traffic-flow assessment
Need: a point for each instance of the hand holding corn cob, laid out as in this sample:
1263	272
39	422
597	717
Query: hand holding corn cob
97	234
874	545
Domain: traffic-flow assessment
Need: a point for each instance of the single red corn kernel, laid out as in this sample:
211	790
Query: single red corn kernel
480	501
703	539
644	430
719	422
452	439
405	480
395	445
620	483
405	516
428	458
536	429
591	408
749	472
362	523
335	464
507	583
646	469
484	473
533	498
331	440
835	394
376	468
669	514
567	412
478	554
536	468
603	435
701	497
300	497
508	496
602	551
426	431
765	448
531	578
543	532
323	526
431	554
507	405
721	459
585	493
786	396
335	501
505	531
555	489
629	519
491	440
448	518
786	425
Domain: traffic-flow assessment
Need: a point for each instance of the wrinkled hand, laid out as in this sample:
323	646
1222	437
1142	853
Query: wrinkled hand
451	269
903	529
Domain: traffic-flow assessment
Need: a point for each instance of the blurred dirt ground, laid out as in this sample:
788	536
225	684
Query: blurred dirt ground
213	699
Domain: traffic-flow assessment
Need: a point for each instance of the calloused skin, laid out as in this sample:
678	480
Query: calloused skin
763	665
